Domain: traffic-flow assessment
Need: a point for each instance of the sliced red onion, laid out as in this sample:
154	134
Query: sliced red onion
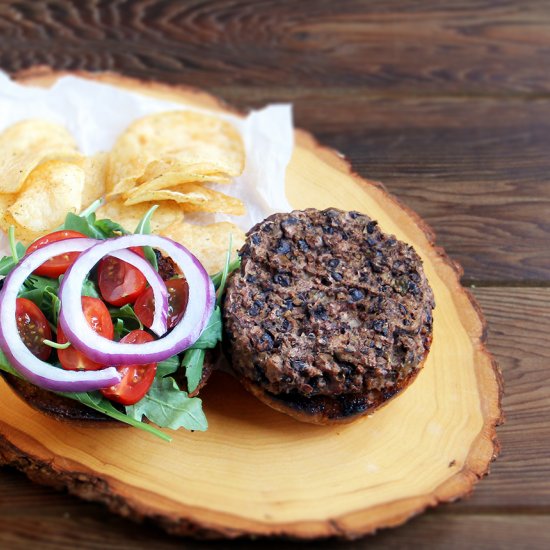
23	360
100	349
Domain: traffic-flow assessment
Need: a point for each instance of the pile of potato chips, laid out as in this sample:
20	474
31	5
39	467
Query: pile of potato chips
167	159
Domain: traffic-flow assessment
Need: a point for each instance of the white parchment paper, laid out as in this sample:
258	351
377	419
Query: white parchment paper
96	113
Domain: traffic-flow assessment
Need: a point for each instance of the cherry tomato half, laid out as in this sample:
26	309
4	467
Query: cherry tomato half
138	250
119	282
136	379
33	327
98	318
56	266
178	296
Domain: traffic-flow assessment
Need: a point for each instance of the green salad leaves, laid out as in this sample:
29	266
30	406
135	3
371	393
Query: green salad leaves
165	404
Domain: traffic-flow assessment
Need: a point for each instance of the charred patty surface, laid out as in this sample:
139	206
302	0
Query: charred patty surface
326	304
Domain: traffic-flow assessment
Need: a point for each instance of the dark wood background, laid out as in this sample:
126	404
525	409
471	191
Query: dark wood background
448	104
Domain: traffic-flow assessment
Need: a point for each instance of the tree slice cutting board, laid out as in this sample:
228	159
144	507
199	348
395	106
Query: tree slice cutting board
259	472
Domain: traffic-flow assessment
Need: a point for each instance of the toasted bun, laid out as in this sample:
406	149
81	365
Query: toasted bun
322	410
56	406
66	409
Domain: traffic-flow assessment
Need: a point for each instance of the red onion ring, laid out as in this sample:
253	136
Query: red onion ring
100	349
33	369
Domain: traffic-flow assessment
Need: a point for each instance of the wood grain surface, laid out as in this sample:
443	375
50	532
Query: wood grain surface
447	104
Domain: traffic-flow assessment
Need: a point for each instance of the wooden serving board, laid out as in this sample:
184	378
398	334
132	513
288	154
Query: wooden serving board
258	472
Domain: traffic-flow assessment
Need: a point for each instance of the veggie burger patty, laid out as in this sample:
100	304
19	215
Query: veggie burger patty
328	317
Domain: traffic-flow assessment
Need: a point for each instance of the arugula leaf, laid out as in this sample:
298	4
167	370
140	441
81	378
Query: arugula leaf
144	225
212	334
193	358
89	289
43	292
144	228
84	225
51	306
110	228
42	283
13	245
193	361
96	401
233	265
5	365
169	407
92	227
7	263
151	257
168	366
119	330
225	272
35	295
127	315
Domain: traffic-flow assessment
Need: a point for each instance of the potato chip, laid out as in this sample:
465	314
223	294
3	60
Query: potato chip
94	185
26	144
163	175
209	243
129	216
158	175
182	173
174	179
51	190
177	139
193	198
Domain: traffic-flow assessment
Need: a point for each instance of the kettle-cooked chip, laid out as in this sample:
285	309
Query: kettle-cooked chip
177	139
129	216
162	175
162	159
208	243
193	198
28	143
200	171
51	190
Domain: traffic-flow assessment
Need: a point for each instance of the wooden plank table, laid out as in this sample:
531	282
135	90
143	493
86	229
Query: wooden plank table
448	105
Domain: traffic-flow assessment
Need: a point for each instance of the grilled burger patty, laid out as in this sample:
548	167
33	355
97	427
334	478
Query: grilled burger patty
328	317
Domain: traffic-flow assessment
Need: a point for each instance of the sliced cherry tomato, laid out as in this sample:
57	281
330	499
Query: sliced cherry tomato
98	318
138	250
33	327
119	282
56	266
136	379
178	295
